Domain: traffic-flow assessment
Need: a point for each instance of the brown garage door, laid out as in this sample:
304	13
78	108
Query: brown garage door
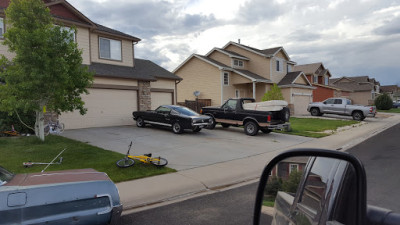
106	107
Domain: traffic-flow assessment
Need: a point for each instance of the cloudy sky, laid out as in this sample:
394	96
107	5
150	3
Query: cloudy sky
351	37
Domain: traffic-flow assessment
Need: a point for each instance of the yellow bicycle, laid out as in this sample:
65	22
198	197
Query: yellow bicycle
128	160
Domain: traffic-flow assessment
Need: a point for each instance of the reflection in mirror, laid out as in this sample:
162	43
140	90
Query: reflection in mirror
310	190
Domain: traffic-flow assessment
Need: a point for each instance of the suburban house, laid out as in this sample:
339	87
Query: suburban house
285	167
319	76
362	89
237	70
122	83
392	90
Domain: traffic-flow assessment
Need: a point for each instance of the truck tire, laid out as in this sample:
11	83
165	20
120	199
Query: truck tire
315	112
285	114
251	128
357	115
212	125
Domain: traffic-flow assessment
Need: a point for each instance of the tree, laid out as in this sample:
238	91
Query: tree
46	73
274	94
384	102
292	183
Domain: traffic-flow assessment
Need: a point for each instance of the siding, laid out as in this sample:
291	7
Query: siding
277	76
321	93
127	51
200	76
220	57
83	40
115	81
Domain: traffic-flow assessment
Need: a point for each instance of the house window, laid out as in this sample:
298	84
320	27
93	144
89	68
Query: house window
70	31
110	49
1	27
289	68
226	79
326	80
315	79
238	63
237	93
293	167
279	65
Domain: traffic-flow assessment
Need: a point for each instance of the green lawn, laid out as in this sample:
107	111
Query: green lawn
78	155
314	127
397	110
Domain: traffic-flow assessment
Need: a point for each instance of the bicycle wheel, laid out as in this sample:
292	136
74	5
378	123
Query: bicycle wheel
125	162
59	128
46	130
159	162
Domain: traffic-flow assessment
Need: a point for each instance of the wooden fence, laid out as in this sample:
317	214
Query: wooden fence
196	105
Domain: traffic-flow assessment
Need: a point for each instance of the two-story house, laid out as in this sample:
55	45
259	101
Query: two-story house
392	90
319	77
237	70
362	89
122	83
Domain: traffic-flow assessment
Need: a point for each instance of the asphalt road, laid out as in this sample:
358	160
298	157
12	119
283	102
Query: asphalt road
379	154
381	158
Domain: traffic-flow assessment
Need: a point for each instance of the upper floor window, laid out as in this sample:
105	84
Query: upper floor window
110	49
288	68
70	31
326	80
279	65
226	78
1	27
315	79
238	63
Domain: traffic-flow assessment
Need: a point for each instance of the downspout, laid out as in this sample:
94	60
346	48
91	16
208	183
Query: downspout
222	87
176	91
254	89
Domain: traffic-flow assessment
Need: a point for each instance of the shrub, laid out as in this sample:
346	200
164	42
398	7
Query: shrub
274	94
7	120
383	102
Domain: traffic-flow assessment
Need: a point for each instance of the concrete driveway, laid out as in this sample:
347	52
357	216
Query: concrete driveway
187	150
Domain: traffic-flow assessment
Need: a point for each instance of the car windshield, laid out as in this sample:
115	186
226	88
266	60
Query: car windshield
5	176
186	111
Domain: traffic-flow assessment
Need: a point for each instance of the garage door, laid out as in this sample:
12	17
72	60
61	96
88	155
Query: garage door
160	98
106	107
300	104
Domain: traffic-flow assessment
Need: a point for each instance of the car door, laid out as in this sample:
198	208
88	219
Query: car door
328	106
338	106
162	116
228	109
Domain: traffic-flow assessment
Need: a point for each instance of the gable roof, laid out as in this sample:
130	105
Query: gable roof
228	53
143	70
289	80
308	68
63	11
390	88
359	83
269	52
252	76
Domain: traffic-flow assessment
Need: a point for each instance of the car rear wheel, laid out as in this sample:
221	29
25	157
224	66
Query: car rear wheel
315	112
358	116
140	122
251	128
177	128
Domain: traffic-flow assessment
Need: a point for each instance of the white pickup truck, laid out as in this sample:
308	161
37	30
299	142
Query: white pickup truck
341	106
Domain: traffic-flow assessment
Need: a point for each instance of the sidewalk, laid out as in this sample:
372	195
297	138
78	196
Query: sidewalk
158	189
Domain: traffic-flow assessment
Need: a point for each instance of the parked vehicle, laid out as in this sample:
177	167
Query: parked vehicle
341	106
396	104
174	116
231	113
331	189
82	196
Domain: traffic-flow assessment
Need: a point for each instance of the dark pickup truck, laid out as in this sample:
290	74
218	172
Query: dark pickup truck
231	113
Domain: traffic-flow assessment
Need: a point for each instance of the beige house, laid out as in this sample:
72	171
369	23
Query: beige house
238	70
362	89
122	83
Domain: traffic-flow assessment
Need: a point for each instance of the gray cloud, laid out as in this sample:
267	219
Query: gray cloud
389	28
254	11
302	35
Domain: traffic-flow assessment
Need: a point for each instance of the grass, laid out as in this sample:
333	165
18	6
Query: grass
78	155
393	110
314	127
268	203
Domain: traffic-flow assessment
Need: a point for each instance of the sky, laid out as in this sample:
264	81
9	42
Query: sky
350	37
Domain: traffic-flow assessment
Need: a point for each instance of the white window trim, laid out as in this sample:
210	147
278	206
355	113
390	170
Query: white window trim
238	63
326	80
290	167
280	68
2	27
315	79
70	30
110	49
223	78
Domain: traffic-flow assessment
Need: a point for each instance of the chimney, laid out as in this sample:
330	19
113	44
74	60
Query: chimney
239	40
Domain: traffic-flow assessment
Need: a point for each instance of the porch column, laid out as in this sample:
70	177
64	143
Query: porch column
254	89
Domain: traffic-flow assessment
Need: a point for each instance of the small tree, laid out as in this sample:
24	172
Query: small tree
274	94
383	102
46	73
292	183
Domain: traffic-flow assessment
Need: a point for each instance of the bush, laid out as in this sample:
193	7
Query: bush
6	121
274	94
383	102
290	185
273	186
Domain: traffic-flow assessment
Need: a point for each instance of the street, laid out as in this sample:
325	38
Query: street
379	154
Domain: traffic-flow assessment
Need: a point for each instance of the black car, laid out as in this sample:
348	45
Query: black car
174	116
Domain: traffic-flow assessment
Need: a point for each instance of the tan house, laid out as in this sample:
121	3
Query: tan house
319	77
238	70
122	83
392	90
362	89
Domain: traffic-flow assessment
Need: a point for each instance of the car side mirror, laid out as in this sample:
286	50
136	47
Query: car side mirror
312	186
